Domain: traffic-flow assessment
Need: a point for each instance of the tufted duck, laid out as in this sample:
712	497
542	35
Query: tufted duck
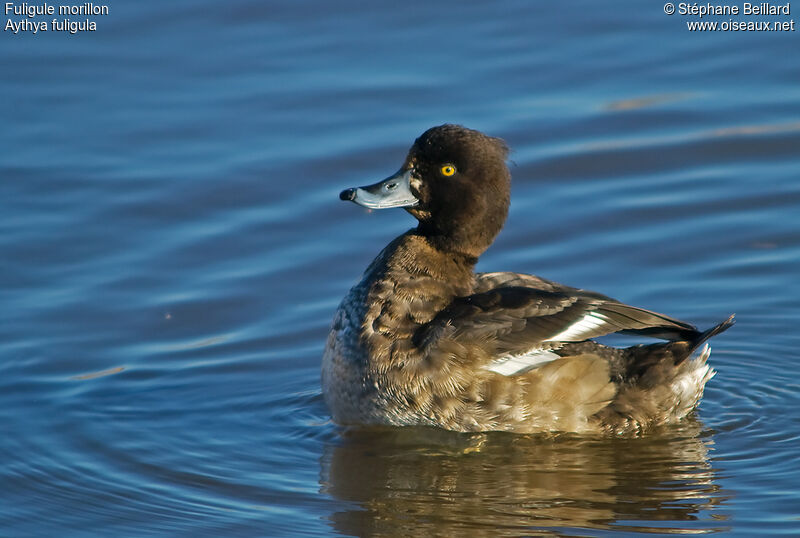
423	340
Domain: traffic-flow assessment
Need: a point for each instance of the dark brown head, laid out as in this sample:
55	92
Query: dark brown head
455	182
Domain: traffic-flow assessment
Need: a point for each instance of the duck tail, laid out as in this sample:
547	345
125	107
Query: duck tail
713	331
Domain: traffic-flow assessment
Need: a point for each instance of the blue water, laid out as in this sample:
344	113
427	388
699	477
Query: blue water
172	250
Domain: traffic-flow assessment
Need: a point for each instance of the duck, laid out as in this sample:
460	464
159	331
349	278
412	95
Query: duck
424	340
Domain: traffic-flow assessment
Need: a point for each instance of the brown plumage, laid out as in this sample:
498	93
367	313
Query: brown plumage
423	340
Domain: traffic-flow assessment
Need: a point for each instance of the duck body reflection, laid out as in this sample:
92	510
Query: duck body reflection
431	482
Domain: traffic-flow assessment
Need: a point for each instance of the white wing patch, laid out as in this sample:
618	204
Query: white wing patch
578	330
519	364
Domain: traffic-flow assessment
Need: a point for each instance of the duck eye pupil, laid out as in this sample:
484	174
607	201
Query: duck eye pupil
448	170
391	186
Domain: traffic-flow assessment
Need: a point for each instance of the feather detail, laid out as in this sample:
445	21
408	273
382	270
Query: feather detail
509	365
581	329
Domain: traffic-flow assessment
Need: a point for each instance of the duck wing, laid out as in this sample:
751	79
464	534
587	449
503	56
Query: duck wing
490	281
526	322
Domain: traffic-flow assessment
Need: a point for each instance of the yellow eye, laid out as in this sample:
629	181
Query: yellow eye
448	170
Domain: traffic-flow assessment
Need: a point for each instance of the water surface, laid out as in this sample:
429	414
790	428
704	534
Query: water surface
173	250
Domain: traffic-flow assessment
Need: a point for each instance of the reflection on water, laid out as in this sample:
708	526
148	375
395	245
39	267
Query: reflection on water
432	482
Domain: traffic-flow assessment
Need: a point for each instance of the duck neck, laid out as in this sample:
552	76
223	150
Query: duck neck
423	255
455	251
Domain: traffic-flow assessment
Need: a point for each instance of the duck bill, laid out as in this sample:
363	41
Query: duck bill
394	191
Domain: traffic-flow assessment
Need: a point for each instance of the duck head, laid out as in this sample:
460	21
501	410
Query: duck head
455	182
